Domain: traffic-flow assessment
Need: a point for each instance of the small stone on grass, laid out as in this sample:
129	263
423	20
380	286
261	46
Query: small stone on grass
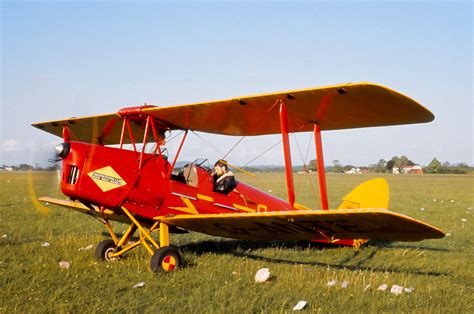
64	264
262	275
139	285
299	306
332	283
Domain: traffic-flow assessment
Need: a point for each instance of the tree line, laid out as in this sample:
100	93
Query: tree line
25	167
383	166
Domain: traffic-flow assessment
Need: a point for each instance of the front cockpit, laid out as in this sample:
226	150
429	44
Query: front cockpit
193	173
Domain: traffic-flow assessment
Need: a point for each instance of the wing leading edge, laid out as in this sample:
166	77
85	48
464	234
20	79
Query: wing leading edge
376	224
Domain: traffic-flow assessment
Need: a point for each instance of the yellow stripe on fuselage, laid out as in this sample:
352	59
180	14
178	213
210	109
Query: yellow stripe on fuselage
205	198
247	209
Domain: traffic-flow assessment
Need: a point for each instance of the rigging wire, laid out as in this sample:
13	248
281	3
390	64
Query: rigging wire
182	131
310	137
235	145
155	146
257	123
307	175
209	144
261	154
302	159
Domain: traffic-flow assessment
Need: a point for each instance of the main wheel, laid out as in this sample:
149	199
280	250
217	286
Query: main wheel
165	259
104	249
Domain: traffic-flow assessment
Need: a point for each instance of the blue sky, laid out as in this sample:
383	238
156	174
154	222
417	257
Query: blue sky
62	59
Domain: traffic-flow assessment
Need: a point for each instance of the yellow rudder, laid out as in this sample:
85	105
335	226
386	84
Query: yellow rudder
370	194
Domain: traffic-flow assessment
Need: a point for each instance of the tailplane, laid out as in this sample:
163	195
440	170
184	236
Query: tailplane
373	193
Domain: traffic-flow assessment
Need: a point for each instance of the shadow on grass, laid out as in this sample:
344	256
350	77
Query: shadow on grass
244	249
394	245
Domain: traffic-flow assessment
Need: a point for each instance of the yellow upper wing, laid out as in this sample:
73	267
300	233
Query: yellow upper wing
334	107
376	224
100	129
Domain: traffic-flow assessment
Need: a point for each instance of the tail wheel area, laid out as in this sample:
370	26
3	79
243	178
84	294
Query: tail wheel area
104	250
166	259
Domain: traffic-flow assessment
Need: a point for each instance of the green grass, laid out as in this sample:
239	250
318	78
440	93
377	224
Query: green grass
219	273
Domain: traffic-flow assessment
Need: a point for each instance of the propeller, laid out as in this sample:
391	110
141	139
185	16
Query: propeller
57	153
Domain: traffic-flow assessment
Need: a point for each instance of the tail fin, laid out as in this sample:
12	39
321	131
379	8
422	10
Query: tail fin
370	194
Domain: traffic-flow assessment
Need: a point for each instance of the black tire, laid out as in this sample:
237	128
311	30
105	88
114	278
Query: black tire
103	249
165	259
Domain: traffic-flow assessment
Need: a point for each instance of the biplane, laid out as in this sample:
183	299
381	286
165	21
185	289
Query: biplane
108	173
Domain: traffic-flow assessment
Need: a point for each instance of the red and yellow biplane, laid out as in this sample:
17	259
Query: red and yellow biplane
107	173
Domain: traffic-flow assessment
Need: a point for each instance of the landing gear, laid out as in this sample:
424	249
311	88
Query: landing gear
165	259
105	249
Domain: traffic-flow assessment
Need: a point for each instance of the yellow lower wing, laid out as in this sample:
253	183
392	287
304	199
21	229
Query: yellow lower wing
377	224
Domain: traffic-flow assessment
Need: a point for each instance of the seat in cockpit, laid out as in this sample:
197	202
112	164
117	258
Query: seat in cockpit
190	174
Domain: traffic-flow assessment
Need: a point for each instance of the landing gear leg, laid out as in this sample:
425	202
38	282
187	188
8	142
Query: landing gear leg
164	257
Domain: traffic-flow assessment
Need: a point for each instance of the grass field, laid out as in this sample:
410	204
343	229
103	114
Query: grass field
219	273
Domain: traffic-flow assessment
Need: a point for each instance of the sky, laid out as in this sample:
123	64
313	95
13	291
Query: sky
75	58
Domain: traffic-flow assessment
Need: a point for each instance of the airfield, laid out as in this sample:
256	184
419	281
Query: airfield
219	273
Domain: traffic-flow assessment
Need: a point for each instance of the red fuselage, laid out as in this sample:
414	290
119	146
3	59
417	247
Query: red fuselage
112	177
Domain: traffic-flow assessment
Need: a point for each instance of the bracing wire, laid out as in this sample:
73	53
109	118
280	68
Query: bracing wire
154	148
182	131
302	159
308	147
235	145
263	153
258	122
209	144
304	165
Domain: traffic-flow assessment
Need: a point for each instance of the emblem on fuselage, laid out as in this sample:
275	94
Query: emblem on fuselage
106	178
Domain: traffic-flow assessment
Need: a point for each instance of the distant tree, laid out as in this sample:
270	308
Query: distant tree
461	168
337	167
389	165
434	166
403	160
25	167
445	167
380	166
397	162
313	166
348	168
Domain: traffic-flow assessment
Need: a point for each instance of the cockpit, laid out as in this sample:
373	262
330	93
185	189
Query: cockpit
192	173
